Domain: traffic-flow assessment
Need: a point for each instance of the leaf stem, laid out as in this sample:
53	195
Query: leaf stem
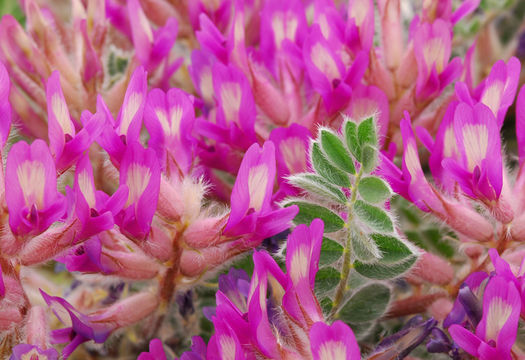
347	253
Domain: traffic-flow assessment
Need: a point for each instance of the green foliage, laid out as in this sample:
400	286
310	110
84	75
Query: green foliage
374	190
331	252
324	168
309	211
352	141
317	185
384	271
366	304
326	279
364	246
368	158
336	152
374	217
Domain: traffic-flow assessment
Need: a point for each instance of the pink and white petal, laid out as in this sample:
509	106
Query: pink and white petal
129	120
59	120
501	312
333	342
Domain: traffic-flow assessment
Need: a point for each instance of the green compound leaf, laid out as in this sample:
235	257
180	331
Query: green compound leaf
317	185
380	271
366	132
374	190
352	141
368	158
364	248
397	258
326	280
368	303
376	218
324	168
309	211
392	248
331	252
336	152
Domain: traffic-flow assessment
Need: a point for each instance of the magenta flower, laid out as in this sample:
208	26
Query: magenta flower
432	48
235	117
517	277
33	200
410	182
65	143
496	332
496	91
169	118
94	209
479	169
251	208
326	69
247	322
140	173
115	135
284	24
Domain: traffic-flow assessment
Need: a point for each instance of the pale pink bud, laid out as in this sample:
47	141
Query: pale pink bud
433	269
194	263
406	74
170	205
205	232
47	245
129	311
392	38
468	222
159	244
37	328
440	308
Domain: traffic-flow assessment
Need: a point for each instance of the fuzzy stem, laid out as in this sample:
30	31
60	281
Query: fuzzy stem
347	253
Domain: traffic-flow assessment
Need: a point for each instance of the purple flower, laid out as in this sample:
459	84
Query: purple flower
25	351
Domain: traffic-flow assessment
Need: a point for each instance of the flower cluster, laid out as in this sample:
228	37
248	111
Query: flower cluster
289	324
148	144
